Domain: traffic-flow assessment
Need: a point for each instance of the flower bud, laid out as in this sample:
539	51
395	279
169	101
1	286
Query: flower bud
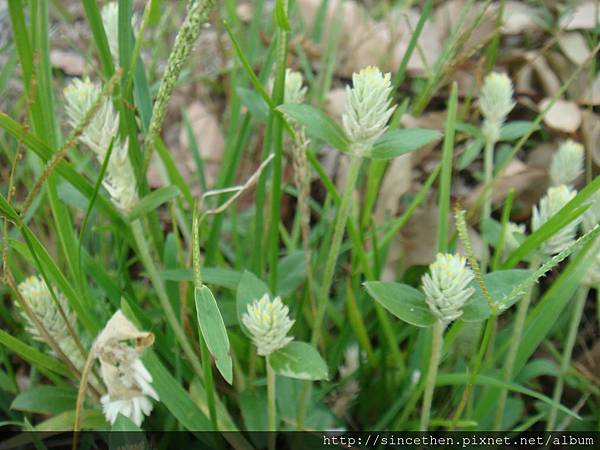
367	108
495	102
446	286
268	323
550	204
567	163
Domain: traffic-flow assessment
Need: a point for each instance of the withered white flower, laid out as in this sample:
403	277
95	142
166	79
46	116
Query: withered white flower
567	163
367	109
36	293
268	323
446	286
495	102
128	382
555	198
120	180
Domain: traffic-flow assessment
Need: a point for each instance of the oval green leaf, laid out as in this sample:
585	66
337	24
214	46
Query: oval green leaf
299	360
213	331
397	142
153	200
403	301
499	284
318	125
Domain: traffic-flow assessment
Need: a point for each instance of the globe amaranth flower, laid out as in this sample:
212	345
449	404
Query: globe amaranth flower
36	293
120	181
368	106
495	102
591	218
446	286
550	204
567	163
268	323
128	382
294	92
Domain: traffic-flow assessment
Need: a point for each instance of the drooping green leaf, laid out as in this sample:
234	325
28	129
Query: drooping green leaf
45	400
403	301
398	142
153	200
254	102
299	360
213	330
318	124
499	284
514	130
249	289
32	355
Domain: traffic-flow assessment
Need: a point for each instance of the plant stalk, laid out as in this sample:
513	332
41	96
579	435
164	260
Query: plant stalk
437	341
271	406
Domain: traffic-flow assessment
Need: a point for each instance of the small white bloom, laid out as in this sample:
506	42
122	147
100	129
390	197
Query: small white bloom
120	180
110	20
567	163
550	204
513	236
591	218
294	92
367	109
128	382
495	102
269	324
446	286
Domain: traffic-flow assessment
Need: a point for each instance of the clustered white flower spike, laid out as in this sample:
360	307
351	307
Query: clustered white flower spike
550	204
495	102
367	109
446	286
511	237
36	293
110	20
127	380
591	218
567	163
294	92
268	323
119	181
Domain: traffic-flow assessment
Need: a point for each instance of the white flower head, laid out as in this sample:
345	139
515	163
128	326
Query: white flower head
446	286
513	236
495	102
591	216
120	180
268	323
294	92
128	382
36	293
567	163
368	106
550	204
110	20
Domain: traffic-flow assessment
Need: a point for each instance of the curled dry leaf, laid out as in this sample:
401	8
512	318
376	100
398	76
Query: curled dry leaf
563	115
583	16
118	329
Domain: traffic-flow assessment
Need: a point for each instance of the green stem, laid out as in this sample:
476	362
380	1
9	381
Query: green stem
486	211
511	357
434	361
158	283
338	234
567	352
271	410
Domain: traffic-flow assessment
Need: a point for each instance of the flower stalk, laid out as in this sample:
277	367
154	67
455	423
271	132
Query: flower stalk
437	341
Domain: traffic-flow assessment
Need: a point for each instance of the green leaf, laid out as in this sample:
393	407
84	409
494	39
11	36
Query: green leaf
153	200
123	423
90	420
249	289
7	210
398	142
281	16
499	284
299	360
318	124
403	301
32	355
174	397
291	272
213	330
514	130
45	400
254	102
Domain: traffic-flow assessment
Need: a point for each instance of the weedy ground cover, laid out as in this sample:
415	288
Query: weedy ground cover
299	215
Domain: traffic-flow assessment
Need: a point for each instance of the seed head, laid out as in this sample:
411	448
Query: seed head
550	204
567	163
269	324
446	286
367	108
495	102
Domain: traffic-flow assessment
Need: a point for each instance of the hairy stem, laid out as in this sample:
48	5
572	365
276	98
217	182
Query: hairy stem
437	340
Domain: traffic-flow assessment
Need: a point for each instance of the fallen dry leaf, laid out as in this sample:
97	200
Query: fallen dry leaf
591	95
591	134
562	116
519	17
574	47
69	62
584	16
395	184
